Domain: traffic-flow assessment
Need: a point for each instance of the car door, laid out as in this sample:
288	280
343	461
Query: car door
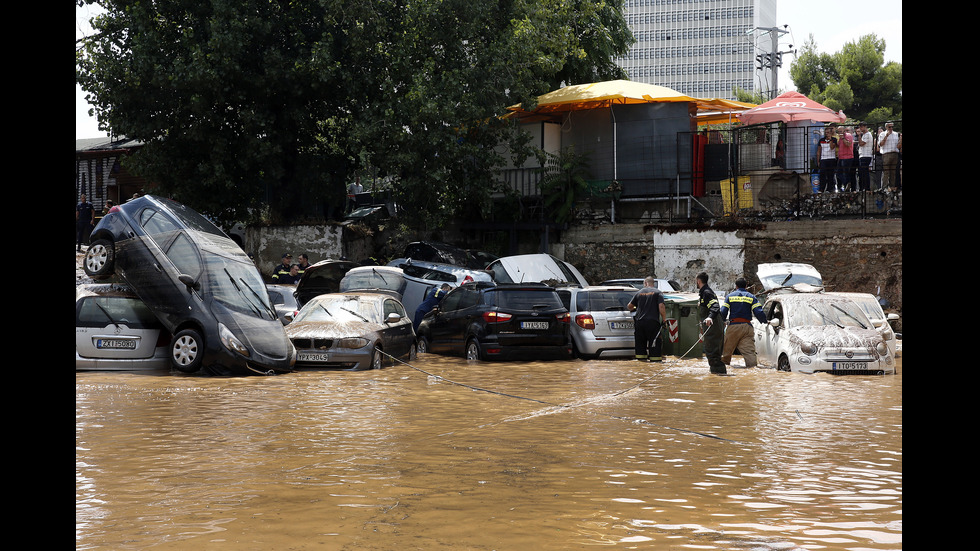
148	269
399	335
441	323
766	336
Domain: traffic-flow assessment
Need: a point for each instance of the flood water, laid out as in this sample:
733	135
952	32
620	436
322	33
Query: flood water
446	454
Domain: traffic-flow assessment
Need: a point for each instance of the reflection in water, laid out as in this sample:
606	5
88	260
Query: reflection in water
543	455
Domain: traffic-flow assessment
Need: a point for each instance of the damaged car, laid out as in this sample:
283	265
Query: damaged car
115	331
200	284
352	331
818	332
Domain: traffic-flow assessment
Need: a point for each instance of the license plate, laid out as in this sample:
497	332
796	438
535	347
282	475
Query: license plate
620	325
115	344
312	357
534	325
850	365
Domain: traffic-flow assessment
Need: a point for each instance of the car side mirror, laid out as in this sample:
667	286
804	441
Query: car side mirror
774	322
189	282
393	318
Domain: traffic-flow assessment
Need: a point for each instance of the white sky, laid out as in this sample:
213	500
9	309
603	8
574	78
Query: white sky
832	23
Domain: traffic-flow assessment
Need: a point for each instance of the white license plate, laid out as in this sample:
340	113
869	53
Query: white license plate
115	344
620	325
850	365
534	325
312	357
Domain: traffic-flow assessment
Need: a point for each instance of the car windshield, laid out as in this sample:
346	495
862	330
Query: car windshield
102	311
238	286
525	299
840	313
373	279
870	307
786	280
598	301
338	308
191	218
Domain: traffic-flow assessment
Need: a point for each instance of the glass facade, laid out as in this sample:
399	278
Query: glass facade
702	48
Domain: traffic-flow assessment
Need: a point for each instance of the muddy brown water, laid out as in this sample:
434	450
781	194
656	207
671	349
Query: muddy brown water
446	454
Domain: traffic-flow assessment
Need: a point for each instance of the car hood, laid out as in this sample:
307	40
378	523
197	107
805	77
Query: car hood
265	338
774	275
321	278
330	329
835	337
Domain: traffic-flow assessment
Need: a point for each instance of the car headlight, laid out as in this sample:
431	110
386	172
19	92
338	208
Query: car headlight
230	341
808	348
882	348
351	342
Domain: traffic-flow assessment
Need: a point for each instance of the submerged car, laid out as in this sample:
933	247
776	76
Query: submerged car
202	287
485	320
882	322
283	299
321	278
600	326
535	268
354	331
818	332
115	331
777	275
665	285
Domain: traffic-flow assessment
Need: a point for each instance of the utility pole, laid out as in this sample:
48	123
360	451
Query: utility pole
774	59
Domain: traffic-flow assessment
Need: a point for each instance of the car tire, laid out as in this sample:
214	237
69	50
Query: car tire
187	351
377	358
413	353
473	350
782	364
423	346
100	259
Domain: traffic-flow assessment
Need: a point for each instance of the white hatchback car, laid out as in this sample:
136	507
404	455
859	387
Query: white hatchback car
115	331
818	332
882	322
601	326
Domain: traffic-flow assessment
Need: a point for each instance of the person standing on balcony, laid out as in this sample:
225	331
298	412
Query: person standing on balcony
845	160
888	142
827	159
866	143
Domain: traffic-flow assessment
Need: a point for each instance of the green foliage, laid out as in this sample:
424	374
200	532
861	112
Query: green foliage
245	103
564	180
855	80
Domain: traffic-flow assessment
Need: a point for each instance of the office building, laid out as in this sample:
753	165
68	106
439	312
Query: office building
702	48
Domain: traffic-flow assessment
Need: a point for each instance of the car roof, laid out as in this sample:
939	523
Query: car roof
104	290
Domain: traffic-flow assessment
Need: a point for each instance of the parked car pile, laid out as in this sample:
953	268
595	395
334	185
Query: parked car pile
176	292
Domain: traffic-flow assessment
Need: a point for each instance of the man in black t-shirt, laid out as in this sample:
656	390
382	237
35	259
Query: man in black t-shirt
648	303
84	221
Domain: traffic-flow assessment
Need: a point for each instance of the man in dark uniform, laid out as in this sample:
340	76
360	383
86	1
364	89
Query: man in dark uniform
648	303
714	333
84	221
432	299
304	263
739	307
281	271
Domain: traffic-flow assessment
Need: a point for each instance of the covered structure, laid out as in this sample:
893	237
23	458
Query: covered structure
640	139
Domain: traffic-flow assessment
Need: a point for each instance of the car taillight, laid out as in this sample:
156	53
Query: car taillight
496	317
564	317
585	321
115	208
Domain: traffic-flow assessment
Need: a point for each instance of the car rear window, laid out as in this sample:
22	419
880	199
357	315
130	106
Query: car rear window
102	311
524	299
598	301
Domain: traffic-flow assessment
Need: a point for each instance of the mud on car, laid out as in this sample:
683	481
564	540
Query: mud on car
487	320
198	282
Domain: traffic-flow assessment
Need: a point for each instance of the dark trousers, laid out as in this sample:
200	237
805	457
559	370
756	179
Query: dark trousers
845	174
828	167
713	340
82	231
864	174
646	337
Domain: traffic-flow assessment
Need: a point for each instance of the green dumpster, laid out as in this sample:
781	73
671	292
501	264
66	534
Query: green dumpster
681	334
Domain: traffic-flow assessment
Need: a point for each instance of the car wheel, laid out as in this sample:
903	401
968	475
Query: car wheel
99	259
413	353
473	350
187	351
782	364
423	346
377	358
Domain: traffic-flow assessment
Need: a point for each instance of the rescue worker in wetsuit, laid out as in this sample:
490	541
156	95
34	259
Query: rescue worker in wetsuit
432	300
648	303
739	307
713	337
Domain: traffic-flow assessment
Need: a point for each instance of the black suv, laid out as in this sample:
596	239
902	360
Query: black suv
486	320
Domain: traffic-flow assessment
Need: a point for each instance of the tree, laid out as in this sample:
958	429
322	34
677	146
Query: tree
243	103
563	182
856	79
